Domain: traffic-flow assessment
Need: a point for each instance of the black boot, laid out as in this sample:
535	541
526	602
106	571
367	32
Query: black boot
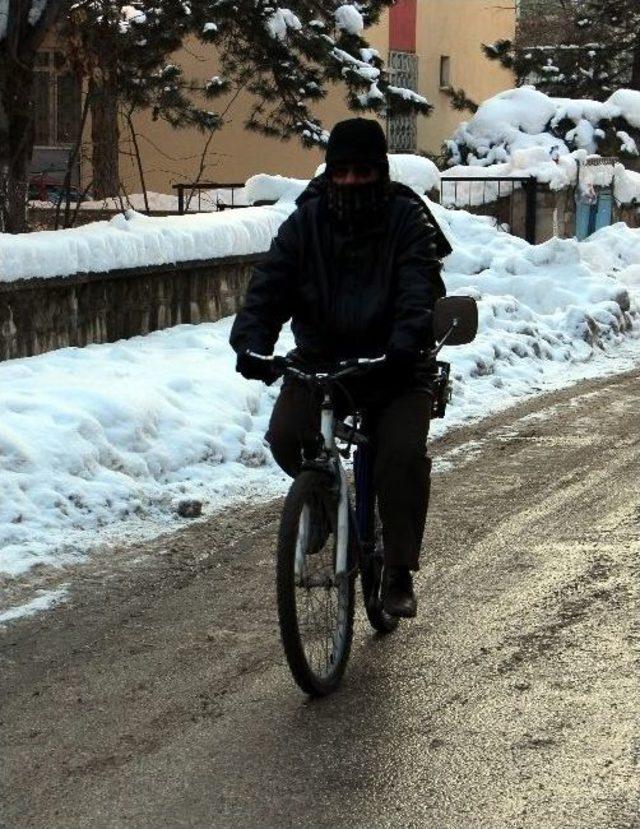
398	596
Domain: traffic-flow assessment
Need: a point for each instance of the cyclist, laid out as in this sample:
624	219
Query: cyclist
356	268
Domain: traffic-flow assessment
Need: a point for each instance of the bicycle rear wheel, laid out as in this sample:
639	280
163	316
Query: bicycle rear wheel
315	610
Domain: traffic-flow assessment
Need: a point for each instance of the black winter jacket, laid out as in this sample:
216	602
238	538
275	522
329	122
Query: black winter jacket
346	297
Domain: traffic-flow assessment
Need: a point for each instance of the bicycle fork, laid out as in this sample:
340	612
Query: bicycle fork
342	537
327	427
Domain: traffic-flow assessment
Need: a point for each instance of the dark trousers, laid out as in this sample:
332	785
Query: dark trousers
399	428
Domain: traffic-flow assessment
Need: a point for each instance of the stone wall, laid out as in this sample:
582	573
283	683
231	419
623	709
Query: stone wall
555	214
38	315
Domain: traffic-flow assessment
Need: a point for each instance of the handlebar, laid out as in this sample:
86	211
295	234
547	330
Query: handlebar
282	365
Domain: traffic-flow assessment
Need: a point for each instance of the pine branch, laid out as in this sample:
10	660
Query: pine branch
460	101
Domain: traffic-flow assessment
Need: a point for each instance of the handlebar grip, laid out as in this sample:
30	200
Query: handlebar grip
277	364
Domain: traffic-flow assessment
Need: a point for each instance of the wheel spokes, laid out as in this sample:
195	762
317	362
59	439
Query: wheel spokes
321	601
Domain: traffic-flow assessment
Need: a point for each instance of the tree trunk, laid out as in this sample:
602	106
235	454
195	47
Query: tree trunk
105	135
635	67
16	144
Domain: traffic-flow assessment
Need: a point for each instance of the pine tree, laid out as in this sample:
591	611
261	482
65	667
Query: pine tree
593	51
123	52
23	27
284	56
460	101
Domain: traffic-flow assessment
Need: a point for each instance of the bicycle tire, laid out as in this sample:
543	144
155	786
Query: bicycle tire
371	581
309	485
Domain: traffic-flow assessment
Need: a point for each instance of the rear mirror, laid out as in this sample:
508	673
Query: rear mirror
455	320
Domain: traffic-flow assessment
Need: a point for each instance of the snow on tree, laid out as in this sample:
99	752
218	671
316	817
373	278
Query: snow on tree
577	48
522	118
285	55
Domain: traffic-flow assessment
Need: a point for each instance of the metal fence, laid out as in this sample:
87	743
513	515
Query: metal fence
496	197
218	202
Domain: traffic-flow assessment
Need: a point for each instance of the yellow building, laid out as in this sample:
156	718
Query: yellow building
428	44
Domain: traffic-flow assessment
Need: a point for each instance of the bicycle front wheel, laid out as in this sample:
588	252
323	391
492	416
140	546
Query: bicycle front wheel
315	609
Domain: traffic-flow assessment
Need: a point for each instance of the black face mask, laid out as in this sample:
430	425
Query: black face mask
355	208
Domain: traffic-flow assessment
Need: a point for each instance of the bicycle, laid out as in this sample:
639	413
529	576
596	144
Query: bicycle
324	540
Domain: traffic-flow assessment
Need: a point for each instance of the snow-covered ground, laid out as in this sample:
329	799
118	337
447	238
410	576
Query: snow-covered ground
100	443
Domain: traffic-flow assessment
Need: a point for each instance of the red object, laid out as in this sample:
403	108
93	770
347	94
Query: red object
402	26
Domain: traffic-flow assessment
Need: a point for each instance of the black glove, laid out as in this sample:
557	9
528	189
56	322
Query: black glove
251	368
400	367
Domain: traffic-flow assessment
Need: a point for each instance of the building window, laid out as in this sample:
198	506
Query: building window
56	99
445	71
403	129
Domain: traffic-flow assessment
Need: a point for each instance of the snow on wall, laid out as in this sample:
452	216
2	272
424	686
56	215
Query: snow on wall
133	240
264	187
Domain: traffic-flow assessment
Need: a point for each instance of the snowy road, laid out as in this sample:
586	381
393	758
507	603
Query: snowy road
157	695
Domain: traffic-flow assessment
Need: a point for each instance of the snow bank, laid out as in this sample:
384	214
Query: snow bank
131	240
417	172
101	442
115	433
264	187
546	311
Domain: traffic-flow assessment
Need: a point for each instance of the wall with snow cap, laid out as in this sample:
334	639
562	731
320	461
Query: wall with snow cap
132	240
42	315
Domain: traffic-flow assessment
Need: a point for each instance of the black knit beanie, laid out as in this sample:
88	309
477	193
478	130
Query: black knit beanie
357	140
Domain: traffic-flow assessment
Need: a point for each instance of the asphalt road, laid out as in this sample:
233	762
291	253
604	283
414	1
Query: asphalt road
158	696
